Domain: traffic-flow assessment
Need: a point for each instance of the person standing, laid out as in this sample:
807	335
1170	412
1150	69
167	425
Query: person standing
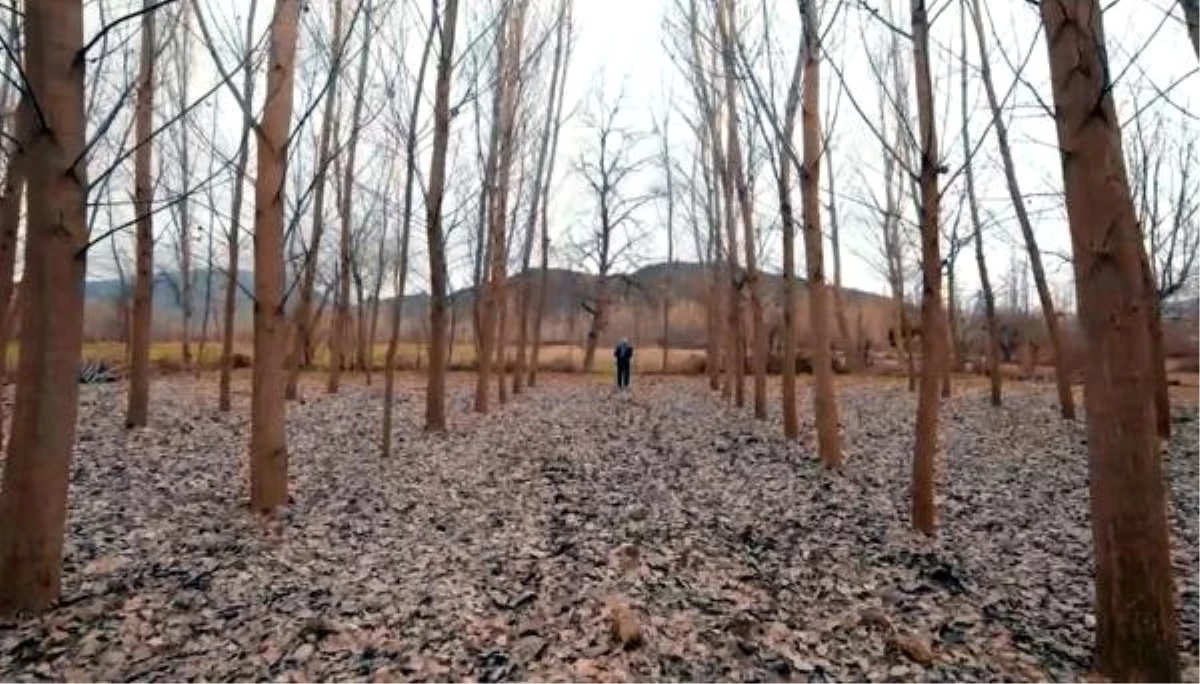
624	356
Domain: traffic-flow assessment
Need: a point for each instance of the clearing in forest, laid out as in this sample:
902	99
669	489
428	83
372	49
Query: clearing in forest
578	535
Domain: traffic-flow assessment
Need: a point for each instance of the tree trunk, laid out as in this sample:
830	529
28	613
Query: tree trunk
184	35
1158	360
933	337
791	421
541	184
989	300
562	51
33	498
305	321
235	227
435	393
728	28
1136	632
1062	370
139	372
346	215
10	221
824	399
850	341
268	442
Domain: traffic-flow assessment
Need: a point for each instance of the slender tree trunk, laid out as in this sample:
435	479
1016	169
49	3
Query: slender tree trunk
268	443
235	228
737	172
933	337
435	393
410	172
139	373
346	215
1062	370
985	284
824	399
298	355
1158	361
951	331
185	170
33	498
562	50
850	341
791	419
10	221
1136	632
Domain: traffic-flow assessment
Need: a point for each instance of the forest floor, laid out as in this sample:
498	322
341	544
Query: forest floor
578	535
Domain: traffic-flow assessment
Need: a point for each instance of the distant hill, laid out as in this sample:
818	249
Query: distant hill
636	300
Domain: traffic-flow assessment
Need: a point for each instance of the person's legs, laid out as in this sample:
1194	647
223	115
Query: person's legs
622	374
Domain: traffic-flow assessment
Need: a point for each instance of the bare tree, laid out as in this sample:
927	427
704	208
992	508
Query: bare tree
608	164
33	497
435	393
268	442
933	338
304	318
1062	370
985	285
728	30
1136	629
824	399
233	235
562	59
410	164
10	219
340	328
139	372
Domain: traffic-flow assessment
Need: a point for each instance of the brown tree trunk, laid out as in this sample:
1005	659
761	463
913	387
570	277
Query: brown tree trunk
1136	632
1158	360
410	164
235	226
933	337
10	221
435	392
726	24
33	498
186	295
850	341
541	183
824	399
305	322
1062	370
341	327
268	441
139	372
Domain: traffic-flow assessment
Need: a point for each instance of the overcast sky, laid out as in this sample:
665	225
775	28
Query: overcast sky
620	47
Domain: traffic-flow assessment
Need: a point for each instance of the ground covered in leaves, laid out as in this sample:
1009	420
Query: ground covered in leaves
578	535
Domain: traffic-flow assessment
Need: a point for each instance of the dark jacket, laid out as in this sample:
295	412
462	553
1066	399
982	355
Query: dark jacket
623	352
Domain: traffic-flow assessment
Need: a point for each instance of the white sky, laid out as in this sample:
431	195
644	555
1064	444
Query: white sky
620	46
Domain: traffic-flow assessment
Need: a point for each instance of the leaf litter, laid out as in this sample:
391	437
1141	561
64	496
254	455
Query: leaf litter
575	534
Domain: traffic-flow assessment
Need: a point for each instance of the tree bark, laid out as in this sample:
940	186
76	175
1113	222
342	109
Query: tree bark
33	497
435	392
1158	360
10	221
186	297
1136	632
728	29
139	372
824	399
933	337
1062	370
305	322
341	328
985	284
562	51
268	442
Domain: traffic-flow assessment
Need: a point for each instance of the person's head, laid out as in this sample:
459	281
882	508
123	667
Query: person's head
624	342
